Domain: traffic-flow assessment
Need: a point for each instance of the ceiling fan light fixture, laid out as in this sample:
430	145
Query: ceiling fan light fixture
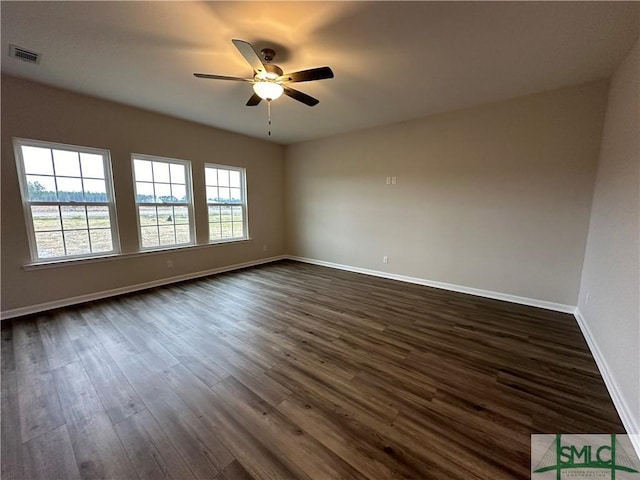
268	80
268	90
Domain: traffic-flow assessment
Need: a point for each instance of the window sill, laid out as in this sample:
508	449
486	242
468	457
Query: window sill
41	265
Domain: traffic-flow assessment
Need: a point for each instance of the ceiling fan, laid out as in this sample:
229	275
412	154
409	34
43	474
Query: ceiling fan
268	80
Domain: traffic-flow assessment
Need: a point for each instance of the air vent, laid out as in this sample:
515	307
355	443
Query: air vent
24	54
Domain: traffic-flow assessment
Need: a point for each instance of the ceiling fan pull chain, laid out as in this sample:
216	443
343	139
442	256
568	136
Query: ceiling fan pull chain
269	114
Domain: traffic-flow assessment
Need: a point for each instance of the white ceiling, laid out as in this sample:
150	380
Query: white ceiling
392	61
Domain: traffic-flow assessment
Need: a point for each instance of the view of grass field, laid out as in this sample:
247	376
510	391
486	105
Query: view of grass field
82	226
225	222
71	230
77	230
164	225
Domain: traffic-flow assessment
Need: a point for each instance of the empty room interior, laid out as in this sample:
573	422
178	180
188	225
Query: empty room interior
320	240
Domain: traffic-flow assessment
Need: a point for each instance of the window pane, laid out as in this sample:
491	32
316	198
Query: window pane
223	178
37	160
211	176
66	163
237	230
227	231
41	189
212	194
49	244
149	236
182	234
148	216
177	173
45	218
92	165
234	193
69	189
225	212
214	214
142	169
95	191
77	242
101	240
73	218
214	231
223	194
167	234
163	193
181	215
99	217
144	192
234	178
237	214
165	215
179	192
161	172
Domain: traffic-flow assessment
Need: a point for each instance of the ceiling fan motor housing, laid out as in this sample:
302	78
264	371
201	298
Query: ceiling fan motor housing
273	69
268	54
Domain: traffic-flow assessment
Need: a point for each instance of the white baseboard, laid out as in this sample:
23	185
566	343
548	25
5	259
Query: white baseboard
41	307
631	424
558	307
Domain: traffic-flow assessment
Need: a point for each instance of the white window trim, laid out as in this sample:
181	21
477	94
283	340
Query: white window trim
243	202
189	205
18	142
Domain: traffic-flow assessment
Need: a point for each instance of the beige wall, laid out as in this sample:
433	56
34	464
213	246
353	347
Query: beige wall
38	112
610	290
494	198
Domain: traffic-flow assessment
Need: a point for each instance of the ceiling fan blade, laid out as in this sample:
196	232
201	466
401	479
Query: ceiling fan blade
254	100
250	55
222	77
301	97
319	73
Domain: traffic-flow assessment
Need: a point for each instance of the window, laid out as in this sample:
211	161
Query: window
226	201
67	193
163	197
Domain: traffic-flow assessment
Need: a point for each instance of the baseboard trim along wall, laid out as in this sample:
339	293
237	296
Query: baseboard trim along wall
41	307
558	307
621	406
630	423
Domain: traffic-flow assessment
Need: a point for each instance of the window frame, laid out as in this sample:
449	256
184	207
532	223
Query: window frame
243	203
189	204
18	143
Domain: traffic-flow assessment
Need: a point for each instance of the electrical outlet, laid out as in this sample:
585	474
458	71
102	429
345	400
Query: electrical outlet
385	259
264	248
169	263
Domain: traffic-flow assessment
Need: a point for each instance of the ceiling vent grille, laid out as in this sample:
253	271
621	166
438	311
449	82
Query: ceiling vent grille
24	54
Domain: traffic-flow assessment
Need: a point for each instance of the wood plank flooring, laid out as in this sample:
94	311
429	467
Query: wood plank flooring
292	371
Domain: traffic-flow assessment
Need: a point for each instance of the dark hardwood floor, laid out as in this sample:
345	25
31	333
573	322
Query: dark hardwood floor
292	371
